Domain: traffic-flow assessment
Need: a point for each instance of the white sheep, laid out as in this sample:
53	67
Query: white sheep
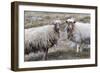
78	32
42	38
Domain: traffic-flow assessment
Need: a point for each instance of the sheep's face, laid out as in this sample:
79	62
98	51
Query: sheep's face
57	24
70	28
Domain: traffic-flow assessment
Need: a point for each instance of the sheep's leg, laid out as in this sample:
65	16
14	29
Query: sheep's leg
77	48
81	47
80	50
45	54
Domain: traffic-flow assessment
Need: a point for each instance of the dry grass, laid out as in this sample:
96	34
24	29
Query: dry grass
59	55
34	19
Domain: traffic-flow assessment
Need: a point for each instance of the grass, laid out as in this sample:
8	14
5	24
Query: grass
62	55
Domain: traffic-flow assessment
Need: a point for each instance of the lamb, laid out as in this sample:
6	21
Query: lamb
78	32
42	38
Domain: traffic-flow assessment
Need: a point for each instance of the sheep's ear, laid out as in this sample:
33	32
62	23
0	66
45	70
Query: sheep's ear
66	21
74	21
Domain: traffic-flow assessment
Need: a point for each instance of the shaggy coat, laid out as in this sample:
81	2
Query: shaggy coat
78	32
41	38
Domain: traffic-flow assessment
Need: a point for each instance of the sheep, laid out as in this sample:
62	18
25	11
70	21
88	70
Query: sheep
42	38
78	32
